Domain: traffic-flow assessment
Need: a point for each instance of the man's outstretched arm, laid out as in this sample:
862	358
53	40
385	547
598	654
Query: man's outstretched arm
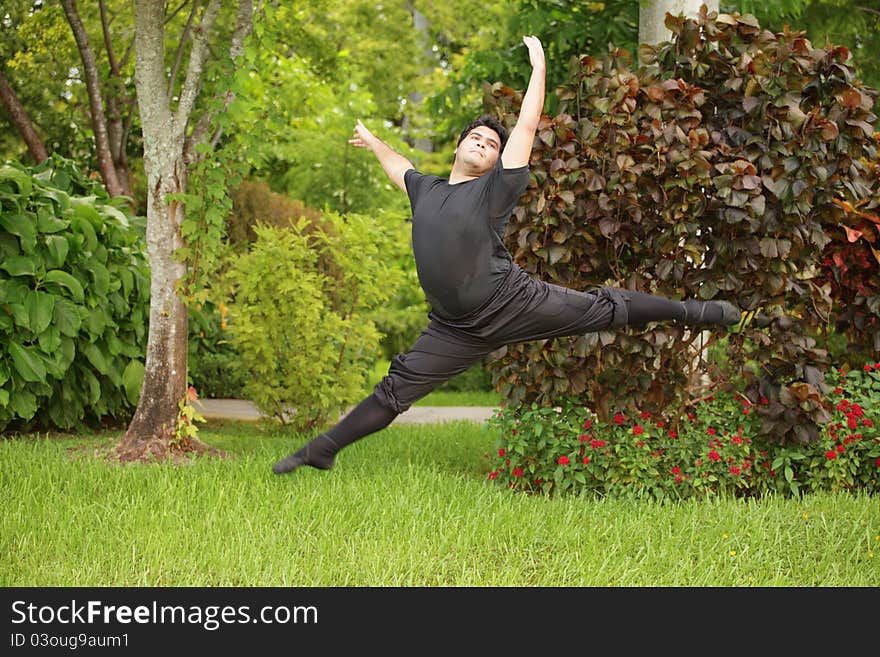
519	144
394	164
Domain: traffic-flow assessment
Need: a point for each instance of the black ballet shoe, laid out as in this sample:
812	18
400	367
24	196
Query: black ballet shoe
319	453
722	313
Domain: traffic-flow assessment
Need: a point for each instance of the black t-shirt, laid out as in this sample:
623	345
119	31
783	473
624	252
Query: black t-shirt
456	235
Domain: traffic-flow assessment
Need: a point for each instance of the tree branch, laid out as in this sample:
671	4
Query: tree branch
21	120
174	13
108	44
243	26
93	84
180	46
876	12
196	63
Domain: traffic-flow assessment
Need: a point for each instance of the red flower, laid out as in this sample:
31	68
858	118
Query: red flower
645	415
641	443
587	460
877	462
588	423
736	439
660	424
517	472
676	470
637	430
711	431
838	391
673	434
691	416
857	410
764	401
619	418
840	449
867	368
714	456
745	411
830	455
538	481
851	422
679	479
735	471
584	437
596	444
563	460
867	423
493	475
501	452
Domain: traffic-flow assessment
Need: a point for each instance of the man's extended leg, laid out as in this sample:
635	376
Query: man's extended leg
544	310
436	356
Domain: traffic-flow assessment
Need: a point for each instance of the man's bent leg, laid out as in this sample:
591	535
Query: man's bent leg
435	357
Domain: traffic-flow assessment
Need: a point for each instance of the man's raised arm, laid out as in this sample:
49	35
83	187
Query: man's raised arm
394	164
519	144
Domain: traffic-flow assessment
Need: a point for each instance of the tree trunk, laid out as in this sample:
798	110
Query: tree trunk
21	120
652	30
652	14
152	429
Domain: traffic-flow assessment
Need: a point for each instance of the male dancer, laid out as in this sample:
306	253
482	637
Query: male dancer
480	299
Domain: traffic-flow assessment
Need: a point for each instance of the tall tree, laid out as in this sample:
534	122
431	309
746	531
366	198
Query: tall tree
170	143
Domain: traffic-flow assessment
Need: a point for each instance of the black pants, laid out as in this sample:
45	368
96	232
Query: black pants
522	309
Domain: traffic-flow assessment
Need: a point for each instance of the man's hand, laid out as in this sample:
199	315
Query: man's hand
362	137
393	163
536	51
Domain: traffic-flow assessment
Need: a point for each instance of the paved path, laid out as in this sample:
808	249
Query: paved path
240	409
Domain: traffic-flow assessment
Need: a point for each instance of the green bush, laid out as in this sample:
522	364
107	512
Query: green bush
74	299
714	448
720	169
299	316
212	362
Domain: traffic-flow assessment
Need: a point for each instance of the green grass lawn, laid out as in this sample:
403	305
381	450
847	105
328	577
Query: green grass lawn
409	506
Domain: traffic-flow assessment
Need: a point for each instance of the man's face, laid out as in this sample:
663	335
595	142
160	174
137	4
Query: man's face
479	150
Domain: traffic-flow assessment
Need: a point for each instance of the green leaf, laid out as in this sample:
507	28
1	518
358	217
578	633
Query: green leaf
39	306
132	380
96	357
23	403
22	226
66	317
94	386
20	266
47	222
58	248
65	280
84	227
28	364
20	178
50	340
101	277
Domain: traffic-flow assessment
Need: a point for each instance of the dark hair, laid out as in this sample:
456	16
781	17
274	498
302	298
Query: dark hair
489	122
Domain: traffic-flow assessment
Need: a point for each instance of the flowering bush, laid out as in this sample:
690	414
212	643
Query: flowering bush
716	447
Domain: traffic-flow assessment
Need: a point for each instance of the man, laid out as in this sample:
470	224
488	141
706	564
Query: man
480	299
